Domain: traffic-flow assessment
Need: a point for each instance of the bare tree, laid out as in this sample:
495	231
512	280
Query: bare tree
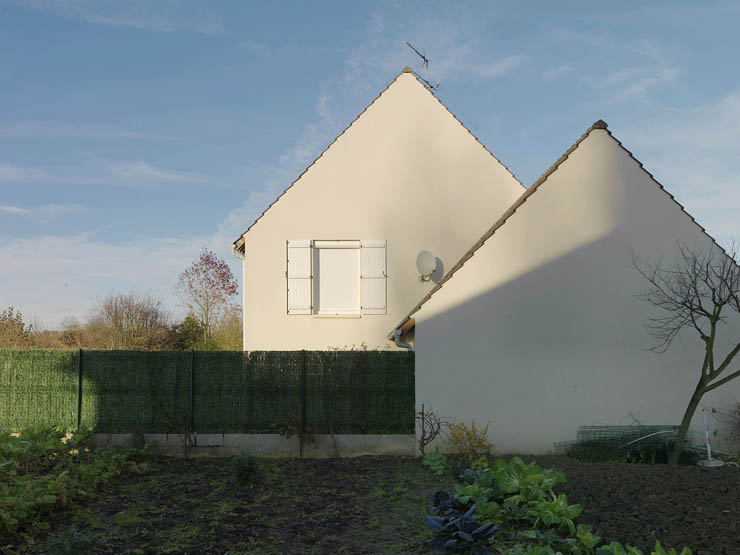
697	292
205	288
127	321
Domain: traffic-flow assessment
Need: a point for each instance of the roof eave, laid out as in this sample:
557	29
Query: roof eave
600	124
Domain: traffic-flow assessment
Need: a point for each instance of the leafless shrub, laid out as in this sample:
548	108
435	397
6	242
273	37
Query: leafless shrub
699	291
127	321
431	427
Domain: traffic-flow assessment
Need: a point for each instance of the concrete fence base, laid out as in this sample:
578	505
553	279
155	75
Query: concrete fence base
270	445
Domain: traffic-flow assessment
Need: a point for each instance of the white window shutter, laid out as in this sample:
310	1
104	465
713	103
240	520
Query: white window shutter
299	276
373	277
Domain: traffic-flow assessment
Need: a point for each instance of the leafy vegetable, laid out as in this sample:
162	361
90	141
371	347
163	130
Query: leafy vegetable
454	528
436	461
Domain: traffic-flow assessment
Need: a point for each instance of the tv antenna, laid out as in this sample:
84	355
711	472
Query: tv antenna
425	60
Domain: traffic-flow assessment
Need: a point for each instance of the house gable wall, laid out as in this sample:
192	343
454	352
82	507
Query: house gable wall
541	332
406	171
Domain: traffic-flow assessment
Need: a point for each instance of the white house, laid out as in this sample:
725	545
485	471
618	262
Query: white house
537	329
530	320
332	262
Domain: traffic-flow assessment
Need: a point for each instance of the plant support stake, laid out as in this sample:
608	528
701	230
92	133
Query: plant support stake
709	461
192	371
79	388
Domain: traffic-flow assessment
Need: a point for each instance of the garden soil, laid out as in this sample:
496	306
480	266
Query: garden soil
376	505
681	506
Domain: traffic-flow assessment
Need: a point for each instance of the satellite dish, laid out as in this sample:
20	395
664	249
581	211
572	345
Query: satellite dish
426	263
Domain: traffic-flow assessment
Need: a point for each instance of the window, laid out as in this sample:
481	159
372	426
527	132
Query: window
336	277
336	284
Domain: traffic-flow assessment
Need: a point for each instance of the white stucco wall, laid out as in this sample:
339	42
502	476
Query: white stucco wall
540	331
406	171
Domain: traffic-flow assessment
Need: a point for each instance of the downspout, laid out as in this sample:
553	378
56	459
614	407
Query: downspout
407	325
399	343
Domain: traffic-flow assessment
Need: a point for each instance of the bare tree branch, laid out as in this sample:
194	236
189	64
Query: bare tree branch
694	292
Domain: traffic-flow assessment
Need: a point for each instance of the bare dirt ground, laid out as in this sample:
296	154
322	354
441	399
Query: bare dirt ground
376	505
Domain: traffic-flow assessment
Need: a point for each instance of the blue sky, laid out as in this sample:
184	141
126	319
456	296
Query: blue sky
135	132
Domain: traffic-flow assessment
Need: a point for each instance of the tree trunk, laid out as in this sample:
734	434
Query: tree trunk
684	428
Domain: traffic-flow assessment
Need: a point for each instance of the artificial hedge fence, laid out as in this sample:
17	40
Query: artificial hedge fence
342	392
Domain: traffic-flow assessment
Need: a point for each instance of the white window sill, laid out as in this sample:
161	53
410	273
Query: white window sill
355	315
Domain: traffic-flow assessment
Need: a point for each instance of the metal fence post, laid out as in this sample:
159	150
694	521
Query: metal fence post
192	381
302	423
79	388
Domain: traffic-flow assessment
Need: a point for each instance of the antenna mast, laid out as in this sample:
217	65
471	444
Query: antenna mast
426	64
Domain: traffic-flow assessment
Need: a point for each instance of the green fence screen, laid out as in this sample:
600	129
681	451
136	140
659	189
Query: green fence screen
38	387
343	392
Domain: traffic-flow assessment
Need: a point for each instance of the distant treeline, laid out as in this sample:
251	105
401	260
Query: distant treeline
124	322
134	322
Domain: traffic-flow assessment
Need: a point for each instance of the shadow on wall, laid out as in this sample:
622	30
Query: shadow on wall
558	347
439	271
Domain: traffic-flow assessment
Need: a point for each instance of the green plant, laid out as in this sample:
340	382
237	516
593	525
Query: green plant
555	512
660	551
547	542
480	473
469	494
71	540
245	471
616	548
528	482
520	498
469	441
436	461
80	439
453	528
488	511
586	539
42	474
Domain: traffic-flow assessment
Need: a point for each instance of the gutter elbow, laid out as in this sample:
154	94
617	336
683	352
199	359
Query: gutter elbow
399	343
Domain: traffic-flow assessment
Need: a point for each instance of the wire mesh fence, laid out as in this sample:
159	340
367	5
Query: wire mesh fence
352	392
629	443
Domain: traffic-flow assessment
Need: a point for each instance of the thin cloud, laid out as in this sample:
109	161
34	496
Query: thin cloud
692	151
5	209
41	213
20	174
499	67
143	172
164	16
641	86
101	173
622	75
558	72
636	84
63	130
255	48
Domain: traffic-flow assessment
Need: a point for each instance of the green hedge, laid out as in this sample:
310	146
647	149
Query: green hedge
38	387
357	392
